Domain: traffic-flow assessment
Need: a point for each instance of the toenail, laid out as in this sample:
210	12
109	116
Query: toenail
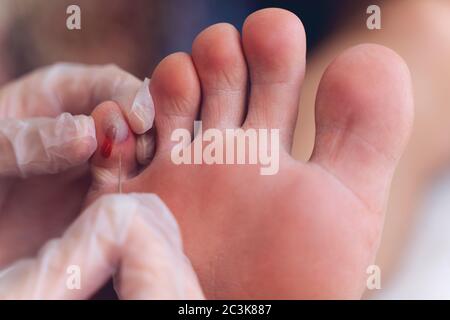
115	127
115	131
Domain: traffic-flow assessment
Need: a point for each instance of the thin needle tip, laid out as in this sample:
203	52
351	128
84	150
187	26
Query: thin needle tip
120	172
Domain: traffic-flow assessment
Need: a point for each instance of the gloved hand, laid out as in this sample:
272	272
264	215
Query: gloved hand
31	144
134	235
40	140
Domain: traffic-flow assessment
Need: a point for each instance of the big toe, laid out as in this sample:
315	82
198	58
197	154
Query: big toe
364	112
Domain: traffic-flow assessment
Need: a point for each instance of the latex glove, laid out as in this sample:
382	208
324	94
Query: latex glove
56	143
36	139
134	235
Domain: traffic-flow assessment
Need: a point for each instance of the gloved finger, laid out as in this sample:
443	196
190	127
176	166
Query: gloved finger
145	148
142	112
109	82
45	145
134	235
77	89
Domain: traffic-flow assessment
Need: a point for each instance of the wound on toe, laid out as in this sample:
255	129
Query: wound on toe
107	144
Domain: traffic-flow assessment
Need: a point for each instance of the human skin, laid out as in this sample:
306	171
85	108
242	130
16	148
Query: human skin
311	230
411	28
42	205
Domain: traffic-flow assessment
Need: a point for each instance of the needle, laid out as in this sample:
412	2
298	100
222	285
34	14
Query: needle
120	173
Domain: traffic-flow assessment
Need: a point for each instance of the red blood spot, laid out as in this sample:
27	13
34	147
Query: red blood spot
106	148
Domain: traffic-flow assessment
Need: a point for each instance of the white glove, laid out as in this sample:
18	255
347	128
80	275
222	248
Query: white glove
33	141
134	235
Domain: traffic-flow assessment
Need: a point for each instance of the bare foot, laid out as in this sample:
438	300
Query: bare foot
311	230
428	150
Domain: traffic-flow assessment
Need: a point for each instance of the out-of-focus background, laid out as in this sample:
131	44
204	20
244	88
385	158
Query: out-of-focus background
134	35
415	250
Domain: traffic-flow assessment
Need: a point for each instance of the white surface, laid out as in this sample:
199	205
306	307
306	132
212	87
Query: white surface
424	271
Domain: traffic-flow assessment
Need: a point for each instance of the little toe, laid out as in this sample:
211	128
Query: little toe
116	147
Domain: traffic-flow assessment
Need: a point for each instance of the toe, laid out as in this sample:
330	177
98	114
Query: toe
364	112
274	45
116	146
222	70
176	93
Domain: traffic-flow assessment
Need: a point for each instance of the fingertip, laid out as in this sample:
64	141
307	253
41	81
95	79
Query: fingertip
142	112
77	138
86	130
145	148
82	149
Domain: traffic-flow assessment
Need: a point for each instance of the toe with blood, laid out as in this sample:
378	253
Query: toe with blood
115	139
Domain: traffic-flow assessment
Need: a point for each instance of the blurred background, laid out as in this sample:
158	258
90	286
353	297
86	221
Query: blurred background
134	35
415	251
